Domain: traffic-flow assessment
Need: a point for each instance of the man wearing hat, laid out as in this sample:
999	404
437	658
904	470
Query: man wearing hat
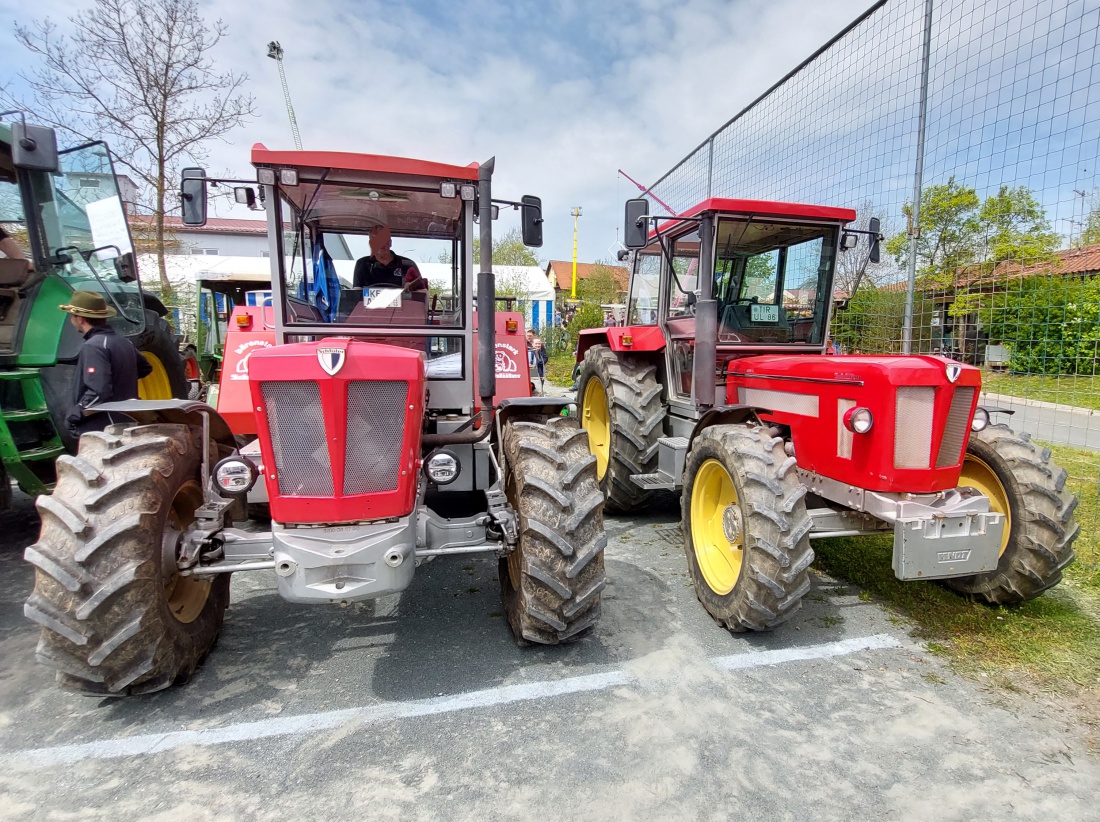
108	367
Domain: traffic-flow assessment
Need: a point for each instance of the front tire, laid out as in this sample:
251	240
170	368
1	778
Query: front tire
117	618
158	345
746	529
551	582
1024	484
619	401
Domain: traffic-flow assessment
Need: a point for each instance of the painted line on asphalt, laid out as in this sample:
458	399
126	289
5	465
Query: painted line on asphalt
146	744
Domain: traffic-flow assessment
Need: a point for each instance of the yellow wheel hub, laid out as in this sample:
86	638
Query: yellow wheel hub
717	527
596	420
186	596
978	474
156	386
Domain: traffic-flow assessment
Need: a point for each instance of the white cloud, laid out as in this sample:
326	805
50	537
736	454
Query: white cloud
563	93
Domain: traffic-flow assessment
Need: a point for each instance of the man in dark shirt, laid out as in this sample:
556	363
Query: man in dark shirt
108	366
383	267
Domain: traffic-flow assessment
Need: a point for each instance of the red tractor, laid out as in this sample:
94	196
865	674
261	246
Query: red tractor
718	388
392	427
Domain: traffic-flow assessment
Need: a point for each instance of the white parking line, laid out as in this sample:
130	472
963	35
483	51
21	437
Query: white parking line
387	712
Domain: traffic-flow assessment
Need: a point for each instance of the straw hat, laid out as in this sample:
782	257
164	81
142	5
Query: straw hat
88	304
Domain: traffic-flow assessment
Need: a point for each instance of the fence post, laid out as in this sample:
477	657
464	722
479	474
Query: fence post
918	182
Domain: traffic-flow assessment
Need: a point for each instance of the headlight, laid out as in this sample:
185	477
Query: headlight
442	467
980	421
858	420
234	476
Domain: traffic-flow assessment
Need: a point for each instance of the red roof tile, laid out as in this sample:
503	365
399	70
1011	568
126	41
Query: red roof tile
214	225
562	272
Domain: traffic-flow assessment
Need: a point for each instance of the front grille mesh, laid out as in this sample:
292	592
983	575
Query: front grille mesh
955	431
297	429
376	428
913	426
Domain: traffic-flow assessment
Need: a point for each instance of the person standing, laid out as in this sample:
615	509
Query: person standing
538	358
108	366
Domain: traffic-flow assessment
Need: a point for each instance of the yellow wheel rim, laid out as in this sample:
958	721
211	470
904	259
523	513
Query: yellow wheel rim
596	420
186	595
156	386
977	474
717	533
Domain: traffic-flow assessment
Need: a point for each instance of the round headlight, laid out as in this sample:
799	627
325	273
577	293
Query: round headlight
858	420
442	467
235	476
980	421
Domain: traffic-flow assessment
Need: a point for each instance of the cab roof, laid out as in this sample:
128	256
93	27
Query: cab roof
764	208
360	167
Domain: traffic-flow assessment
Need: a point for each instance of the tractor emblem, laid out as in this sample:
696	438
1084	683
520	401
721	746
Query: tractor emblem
953	372
331	359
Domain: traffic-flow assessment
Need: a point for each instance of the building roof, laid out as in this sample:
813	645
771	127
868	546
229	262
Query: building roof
1067	262
214	225
560	273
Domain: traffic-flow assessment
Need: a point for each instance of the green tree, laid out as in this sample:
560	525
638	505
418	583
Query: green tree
950	230
600	286
1090	234
508	249
1016	227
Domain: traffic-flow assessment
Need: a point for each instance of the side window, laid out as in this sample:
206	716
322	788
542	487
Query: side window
685	282
644	287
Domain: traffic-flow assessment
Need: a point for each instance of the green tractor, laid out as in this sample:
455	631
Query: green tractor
64	208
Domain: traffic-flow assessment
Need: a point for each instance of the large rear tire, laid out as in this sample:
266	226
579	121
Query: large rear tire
551	583
621	408
158	344
117	618
1024	484
746	529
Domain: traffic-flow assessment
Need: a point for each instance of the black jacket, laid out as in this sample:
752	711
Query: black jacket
107	370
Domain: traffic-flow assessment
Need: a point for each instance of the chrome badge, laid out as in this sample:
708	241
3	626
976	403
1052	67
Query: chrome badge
332	360
953	371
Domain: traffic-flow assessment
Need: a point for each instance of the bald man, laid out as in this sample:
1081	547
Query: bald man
383	267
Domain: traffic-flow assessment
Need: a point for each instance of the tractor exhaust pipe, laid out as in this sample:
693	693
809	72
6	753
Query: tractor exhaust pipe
486	291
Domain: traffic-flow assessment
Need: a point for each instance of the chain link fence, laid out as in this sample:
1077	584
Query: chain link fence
1006	262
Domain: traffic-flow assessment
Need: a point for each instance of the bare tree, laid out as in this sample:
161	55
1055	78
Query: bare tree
139	74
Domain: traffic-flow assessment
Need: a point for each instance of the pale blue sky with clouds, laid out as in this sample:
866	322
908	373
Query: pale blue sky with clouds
562	92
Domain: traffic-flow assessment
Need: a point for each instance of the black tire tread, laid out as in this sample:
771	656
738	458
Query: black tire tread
1043	529
98	593
558	501
777	553
637	411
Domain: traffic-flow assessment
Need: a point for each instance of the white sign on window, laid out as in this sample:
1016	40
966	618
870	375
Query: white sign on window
108	224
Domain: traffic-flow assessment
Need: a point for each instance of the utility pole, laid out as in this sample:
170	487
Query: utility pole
275	52
576	212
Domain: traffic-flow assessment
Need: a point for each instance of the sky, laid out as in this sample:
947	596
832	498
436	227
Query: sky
563	93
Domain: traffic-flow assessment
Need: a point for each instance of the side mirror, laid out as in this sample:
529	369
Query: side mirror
532	220
873	226
126	267
34	148
494	212
636	226
245	195
193	196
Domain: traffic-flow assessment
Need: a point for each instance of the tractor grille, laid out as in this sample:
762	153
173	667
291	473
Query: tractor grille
913	426
376	428
297	428
955	431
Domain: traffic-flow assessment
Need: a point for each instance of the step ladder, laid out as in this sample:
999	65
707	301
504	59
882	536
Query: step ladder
32	408
671	452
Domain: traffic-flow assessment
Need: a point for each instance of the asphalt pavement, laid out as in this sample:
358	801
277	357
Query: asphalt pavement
421	706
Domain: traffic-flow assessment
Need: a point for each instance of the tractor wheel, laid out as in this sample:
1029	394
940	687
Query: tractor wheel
158	345
746	530
1023	484
620	406
551	582
116	616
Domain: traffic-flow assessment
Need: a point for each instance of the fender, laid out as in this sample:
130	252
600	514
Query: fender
178	412
726	415
623	339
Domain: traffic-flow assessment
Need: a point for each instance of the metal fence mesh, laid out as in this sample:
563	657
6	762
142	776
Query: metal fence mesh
1008	257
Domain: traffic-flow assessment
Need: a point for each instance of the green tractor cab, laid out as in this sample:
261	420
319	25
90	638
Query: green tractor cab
65	209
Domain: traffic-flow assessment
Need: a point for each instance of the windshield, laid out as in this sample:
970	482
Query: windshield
360	257
772	281
84	222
